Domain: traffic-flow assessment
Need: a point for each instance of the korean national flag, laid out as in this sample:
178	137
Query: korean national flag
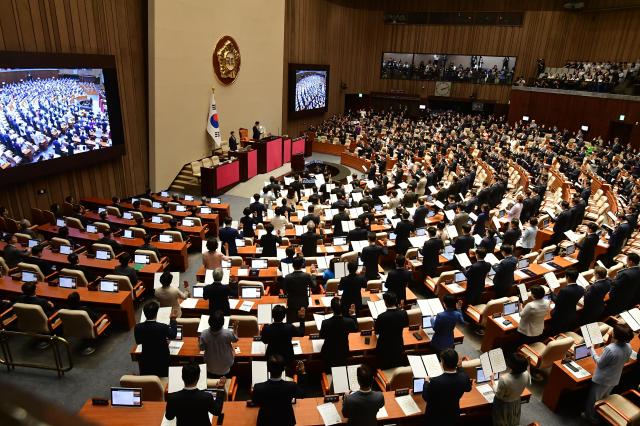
213	125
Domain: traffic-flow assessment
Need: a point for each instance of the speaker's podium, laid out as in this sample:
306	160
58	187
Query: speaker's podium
216	180
297	163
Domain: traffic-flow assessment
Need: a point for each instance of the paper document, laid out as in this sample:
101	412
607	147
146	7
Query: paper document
258	348
407	405
189	303
376	308
487	392
164	315
175	378
463	260
317	345
329	414
493	362
382	413
591	334
258	372
632	318
175	346
318	318
450	214
246	306
551	280
345	378
491	258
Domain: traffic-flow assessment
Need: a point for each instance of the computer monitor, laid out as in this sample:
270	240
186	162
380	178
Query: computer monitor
60	223
250	293
459	277
92	229
259	263
431	213
109	286
481	378
164	194
165	238
570	249
127	233
421	232
33	243
548	256
103	255
65	249
205	210
141	259
188	197
198	292
127	215
178	333
392	236
378	207
418	384
126	397
216	201
240	243
523	263
67	282
102	210
29	277
339	241
582	351
501	213
187	222
449	250
427	321
156	205
156	219
510	308
180	208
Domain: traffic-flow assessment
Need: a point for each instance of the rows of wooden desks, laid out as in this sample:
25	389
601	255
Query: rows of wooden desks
176	252
118	305
236	413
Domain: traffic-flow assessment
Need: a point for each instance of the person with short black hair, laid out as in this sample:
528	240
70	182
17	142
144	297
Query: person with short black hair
389	327
335	332
216	342
361	407
443	393
625	290
277	335
297	285
506	406
594	305
270	242
476	275
28	296
399	278
190	405
36	259
371	255
609	366
74	303
445	323
228	237
169	296
503	279
431	253
107	239
124	269
154	338
217	294
587	247
150	247
351	286
564	314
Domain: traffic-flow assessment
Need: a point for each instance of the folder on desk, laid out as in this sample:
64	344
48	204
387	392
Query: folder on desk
591	334
632	318
318	318
259	372
425	365
176	383
175	280
345	378
376	308
493	362
430	307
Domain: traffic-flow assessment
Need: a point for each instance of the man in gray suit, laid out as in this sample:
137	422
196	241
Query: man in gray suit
609	367
361	407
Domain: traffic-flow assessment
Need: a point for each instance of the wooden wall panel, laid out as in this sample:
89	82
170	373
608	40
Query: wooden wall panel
350	36
113	27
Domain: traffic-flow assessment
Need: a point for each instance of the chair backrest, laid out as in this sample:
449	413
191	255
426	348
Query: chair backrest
195	167
189	326
206	162
235	260
272	261
196	220
531	257
102	226
400	377
67	208
22	238
106	247
248	283
77	323
310	327
588	274
613	271
24	266
332	285
31	318
554	351
124	283
138	232
365	323
415	316
4	268
412	253
152	387
57	241
350	256
49	217
81	279
247	325
547	249
113	210
153	258
492	307
146	202
375	285
74	222
12	225
469	366
37	217
165	217
176	236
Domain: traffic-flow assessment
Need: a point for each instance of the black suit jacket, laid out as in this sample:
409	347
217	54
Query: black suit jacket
228	235
443	394
351	286
117	248
463	244
269	242
587	250
154	337
370	255
476	274
397	282
594	304
337	224
503	279
12	255
191	407
44	266
419	216
309	242
128	272
274	399
218	296
563	316
295	285
35	300
256	133
335	332
358	234
624	290
278	338
390	345
563	222
431	255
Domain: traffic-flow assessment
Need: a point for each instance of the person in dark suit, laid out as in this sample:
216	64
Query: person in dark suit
370	257
617	238
359	233
351	287
577	211
464	242
228	235
74	264
561	225
587	248
503	279
337	220
388	327
13	255
490	241
217	294
431	250
154	338
311	216
625	287
296	286
107	238
420	214
563	316
594	305
398	279
148	246
476	275
361	407
191	405
29	296
74	303
443	393
275	395
309	240
404	228
256	131
233	142
335	332
124	269
480	227
277	335
36	259
270	242
513	234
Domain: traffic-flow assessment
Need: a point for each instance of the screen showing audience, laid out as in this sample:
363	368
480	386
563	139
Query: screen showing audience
51	113
126	397
311	90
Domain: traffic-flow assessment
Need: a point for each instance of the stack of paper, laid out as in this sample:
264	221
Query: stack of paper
259	372
407	405
345	378
591	334
632	318
493	362
329	414
425	365
376	308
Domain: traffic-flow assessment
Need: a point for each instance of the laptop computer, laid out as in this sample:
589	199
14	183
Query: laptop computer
582	351
510	308
126	397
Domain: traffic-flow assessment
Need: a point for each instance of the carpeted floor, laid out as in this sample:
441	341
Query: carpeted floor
93	376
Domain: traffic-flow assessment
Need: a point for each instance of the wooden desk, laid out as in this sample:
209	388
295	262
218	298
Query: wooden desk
151	413
327	148
351	160
561	381
119	306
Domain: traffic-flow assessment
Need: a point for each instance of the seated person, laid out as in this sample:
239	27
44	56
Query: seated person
36	259
74	265
29	296
107	238
173	226
147	246
124	269
74	303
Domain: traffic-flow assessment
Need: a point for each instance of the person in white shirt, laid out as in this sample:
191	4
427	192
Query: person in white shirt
533	314
516	209
528	240
279	222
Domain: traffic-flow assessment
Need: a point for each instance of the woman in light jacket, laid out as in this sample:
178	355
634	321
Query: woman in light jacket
505	410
